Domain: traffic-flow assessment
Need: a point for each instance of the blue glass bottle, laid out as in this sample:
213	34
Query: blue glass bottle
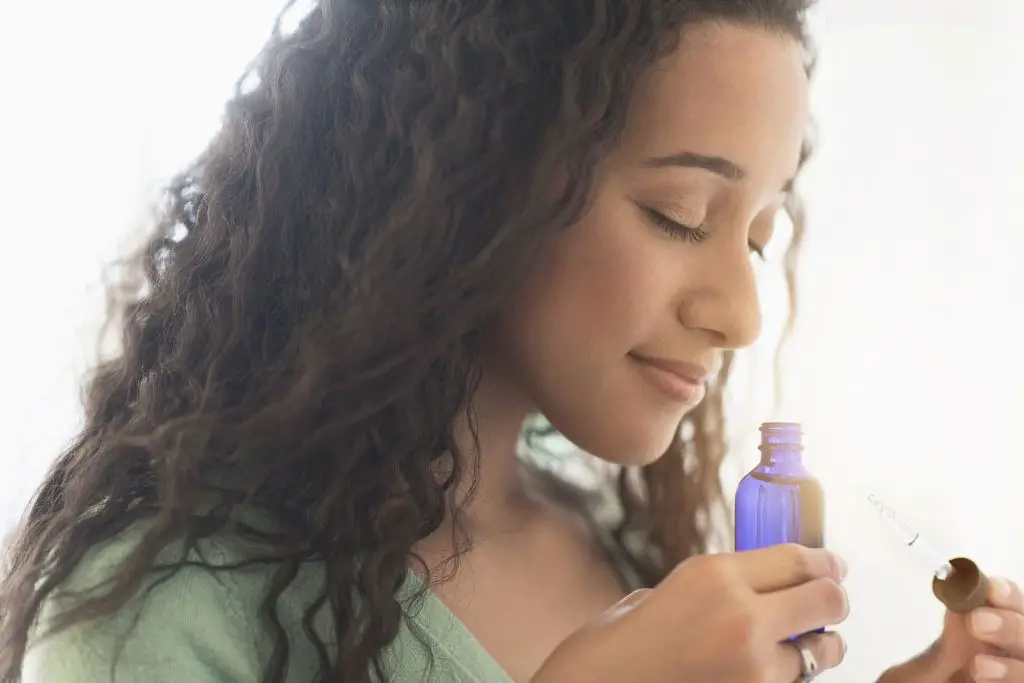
780	501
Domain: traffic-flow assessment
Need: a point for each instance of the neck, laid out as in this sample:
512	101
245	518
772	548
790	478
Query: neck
780	454
500	497
781	442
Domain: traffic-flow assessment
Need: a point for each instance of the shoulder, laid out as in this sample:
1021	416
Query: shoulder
196	624
205	625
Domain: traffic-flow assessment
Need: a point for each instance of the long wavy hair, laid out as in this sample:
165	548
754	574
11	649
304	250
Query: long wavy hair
298	334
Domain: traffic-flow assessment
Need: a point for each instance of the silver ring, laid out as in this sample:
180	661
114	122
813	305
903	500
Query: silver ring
809	668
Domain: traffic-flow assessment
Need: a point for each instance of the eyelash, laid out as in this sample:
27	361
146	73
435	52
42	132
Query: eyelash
685	232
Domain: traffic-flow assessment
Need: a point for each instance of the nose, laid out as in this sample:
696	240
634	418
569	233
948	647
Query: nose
721	297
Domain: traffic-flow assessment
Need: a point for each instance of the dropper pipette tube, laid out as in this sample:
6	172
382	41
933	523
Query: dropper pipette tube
938	563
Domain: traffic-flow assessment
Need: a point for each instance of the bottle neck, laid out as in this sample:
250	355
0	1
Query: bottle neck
781	444
781	455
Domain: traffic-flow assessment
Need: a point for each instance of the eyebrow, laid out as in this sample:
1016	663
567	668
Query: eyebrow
717	165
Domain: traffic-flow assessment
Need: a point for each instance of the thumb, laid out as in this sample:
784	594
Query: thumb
589	647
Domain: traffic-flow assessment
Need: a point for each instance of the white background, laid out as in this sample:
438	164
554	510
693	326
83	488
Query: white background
906	368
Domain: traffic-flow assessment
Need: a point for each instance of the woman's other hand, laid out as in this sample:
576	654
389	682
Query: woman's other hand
984	646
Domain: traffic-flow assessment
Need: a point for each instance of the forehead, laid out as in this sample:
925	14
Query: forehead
729	90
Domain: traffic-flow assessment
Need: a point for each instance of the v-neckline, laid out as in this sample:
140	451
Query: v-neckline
449	632
456	637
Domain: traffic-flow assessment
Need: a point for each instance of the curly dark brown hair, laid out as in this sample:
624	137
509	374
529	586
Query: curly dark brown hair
299	337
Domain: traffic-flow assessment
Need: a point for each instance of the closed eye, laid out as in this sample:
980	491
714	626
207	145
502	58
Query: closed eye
675	229
697	234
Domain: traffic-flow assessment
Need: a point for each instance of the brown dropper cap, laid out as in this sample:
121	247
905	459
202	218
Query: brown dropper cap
964	589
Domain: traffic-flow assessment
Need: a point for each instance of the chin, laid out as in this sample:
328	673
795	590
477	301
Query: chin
631	443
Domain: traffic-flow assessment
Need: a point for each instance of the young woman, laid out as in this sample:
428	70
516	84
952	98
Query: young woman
422	224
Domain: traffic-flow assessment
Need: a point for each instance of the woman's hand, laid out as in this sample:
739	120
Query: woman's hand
984	646
722	618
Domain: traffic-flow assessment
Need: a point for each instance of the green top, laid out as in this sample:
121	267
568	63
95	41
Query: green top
202	626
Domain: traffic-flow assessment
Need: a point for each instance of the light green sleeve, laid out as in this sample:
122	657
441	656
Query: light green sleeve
199	626
186	631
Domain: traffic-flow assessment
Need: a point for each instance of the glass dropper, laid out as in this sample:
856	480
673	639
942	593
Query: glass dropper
938	562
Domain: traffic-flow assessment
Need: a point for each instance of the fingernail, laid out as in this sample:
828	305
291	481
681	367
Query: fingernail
1001	587
986	622
988	668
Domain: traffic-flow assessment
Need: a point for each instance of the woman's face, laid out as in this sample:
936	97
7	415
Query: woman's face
631	307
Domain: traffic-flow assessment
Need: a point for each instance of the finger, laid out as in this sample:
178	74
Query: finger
990	669
804	608
1000	627
782	566
828	650
1005	594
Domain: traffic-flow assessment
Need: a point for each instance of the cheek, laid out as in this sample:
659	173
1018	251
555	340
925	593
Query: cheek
598	292
600	284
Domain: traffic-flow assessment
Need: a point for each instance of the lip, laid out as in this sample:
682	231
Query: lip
679	380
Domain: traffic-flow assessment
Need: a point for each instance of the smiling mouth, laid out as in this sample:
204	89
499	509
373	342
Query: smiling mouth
683	383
